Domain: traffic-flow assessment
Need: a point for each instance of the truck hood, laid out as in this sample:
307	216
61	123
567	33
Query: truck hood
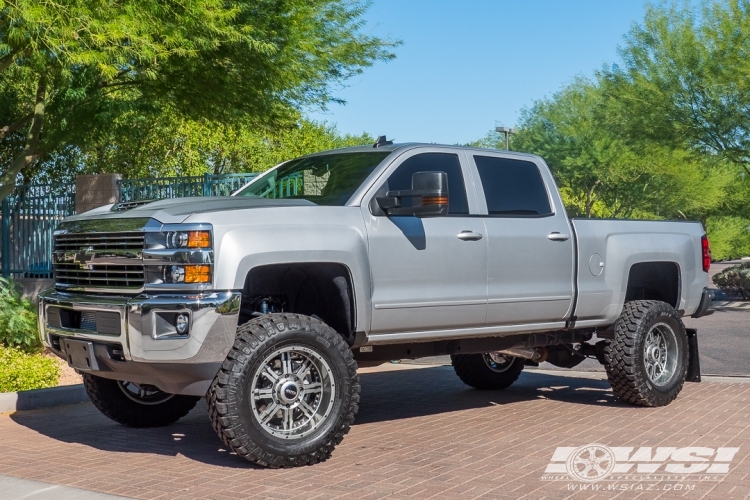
176	210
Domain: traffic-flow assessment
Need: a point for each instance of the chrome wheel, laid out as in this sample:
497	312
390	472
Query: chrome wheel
293	392
498	362
143	394
660	354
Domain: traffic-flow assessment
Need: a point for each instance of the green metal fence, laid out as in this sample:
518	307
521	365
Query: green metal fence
29	218
155	188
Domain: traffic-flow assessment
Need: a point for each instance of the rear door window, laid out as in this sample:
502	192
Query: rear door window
512	188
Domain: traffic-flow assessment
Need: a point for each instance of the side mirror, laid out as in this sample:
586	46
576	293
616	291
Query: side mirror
428	194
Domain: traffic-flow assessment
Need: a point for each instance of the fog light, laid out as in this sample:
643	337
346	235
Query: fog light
181	324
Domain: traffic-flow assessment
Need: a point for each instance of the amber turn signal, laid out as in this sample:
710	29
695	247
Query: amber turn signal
197	274
434	200
199	239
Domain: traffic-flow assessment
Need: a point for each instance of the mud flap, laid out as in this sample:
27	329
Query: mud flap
694	365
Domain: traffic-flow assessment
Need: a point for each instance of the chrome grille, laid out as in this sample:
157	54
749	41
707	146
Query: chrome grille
99	276
99	241
99	261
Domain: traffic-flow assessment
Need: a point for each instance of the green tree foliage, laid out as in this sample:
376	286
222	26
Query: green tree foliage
73	68
176	147
603	175
684	79
663	134
730	237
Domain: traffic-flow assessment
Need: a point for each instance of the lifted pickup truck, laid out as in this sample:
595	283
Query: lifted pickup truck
266	302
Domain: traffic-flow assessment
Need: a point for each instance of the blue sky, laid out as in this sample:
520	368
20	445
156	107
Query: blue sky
466	66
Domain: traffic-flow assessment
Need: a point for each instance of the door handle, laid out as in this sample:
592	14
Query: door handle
558	236
470	236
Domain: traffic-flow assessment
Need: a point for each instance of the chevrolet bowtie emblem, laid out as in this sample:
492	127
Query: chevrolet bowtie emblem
83	257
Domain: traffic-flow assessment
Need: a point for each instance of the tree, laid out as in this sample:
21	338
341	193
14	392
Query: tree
684	80
69	70
603	175
170	146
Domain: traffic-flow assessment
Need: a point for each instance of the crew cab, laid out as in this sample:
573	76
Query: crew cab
266	302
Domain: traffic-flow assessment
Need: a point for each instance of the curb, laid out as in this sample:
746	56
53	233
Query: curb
733	305
42	398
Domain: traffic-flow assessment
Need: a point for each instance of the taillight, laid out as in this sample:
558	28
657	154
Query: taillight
706	249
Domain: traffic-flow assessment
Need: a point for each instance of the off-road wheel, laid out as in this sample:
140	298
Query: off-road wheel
287	392
647	361
489	371
136	405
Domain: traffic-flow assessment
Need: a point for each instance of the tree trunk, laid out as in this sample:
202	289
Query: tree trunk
590	199
31	149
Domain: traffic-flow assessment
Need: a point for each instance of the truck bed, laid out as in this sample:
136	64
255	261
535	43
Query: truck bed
608	256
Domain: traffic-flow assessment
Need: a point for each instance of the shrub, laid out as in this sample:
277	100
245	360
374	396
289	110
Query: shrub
735	280
21	371
18	319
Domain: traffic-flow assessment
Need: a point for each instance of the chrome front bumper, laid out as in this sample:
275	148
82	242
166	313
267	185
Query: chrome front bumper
126	332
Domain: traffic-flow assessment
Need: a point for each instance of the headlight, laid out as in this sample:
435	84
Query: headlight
188	239
187	274
179	254
174	238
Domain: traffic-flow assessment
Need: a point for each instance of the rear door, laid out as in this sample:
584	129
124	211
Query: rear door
428	273
530	254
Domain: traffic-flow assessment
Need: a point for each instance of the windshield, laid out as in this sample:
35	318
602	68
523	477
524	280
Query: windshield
323	180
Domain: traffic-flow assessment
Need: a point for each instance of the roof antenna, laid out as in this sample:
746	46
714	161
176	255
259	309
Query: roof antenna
382	141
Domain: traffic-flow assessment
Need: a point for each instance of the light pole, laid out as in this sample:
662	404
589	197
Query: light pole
507	132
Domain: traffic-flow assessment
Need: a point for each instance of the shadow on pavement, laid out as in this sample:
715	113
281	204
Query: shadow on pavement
401	394
386	396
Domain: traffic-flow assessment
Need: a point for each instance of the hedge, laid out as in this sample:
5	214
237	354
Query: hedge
21	371
735	280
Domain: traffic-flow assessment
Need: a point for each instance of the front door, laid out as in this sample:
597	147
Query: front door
530	270
428	273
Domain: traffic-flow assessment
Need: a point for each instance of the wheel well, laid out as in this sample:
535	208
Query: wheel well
318	289
654	281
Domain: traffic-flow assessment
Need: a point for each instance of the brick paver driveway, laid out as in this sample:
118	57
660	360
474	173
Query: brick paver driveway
419	433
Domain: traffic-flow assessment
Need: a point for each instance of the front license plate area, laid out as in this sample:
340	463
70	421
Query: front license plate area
80	354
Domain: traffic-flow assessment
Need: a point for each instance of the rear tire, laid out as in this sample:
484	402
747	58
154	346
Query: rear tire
647	361
130	405
487	371
287	393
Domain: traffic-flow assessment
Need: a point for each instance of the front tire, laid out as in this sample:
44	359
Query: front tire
489	371
136	406
647	361
287	393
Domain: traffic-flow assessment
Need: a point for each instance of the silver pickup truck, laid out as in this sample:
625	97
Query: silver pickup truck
266	302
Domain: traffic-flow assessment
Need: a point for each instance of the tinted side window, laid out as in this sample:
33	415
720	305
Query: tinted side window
512	187
434	162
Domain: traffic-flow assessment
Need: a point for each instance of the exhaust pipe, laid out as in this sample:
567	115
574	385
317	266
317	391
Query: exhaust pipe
535	354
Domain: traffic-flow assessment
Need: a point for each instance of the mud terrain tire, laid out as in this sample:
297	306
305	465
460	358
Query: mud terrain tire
647	361
482	372
287	392
157	410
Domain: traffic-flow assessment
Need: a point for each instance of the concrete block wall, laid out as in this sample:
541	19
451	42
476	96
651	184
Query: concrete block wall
93	191
31	287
